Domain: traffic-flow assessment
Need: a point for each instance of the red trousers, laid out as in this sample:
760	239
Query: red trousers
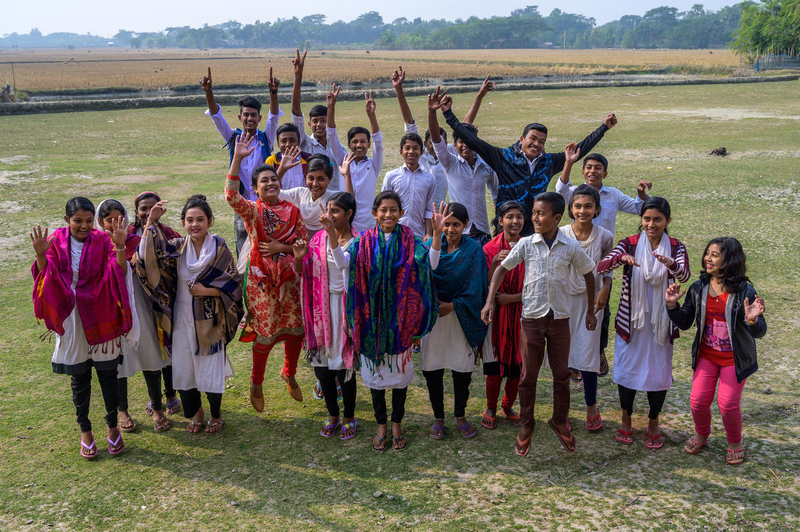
261	354
493	383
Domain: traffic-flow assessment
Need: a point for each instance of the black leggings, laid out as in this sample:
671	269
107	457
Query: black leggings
82	395
656	400
153	381
192	402
398	404
435	380
327	382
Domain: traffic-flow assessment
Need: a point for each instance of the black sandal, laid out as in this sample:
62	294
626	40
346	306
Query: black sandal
380	441
396	443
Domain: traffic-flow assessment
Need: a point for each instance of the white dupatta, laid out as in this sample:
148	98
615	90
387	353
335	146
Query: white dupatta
651	271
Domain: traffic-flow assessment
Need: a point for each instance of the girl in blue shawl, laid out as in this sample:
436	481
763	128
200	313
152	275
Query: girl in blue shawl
454	343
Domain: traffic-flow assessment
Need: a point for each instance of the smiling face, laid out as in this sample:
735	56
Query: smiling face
654	224
340	217
544	221
268	186
250	118
286	140
453	231
593	173
143	209
713	260
196	224
318	125
532	144
80	223
107	222
388	214
359	145
317	182
584	209
411	152
511	223
464	151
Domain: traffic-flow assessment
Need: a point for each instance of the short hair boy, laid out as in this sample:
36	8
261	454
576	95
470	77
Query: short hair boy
288	136
415	187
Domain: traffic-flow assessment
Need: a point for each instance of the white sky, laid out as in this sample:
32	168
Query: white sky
102	17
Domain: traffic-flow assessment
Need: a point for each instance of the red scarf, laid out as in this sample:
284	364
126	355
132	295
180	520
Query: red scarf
278	221
506	321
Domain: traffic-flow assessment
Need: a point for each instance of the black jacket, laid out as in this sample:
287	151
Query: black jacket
743	336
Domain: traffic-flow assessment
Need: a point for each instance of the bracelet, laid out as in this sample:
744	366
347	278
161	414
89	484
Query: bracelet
118	249
273	92
751	322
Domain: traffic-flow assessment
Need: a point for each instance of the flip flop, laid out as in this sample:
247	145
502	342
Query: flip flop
464	430
86	449
380	441
624	436
514	419
693	447
603	365
575	376
149	408
568	442
214	424
195	427
317	393
488	422
650	441
348	426
326	428
396	443
521	447
118	443
590	422
437	433
730	456
162	425
173	407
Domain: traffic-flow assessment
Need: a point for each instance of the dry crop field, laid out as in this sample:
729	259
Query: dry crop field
59	69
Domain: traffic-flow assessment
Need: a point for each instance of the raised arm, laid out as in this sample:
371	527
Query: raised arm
344	169
435	101
246	209
298	64
40	246
585	146
491	154
370	108
331	133
205	83
571	155
486	87
273	83
398	76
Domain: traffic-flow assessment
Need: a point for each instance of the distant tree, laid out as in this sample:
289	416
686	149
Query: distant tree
768	27
135	42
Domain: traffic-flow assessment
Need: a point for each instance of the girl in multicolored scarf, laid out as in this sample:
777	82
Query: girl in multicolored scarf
272	285
80	292
456	339
391	301
197	296
329	347
146	355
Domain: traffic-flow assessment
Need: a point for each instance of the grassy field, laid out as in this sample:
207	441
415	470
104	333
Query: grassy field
39	70
273	471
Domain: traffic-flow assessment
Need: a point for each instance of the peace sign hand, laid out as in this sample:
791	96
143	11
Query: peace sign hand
333	95
370	103
299	62
435	100
205	82
398	77
39	241
753	310
326	221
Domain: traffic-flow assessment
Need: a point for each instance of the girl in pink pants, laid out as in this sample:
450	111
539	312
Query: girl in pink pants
729	317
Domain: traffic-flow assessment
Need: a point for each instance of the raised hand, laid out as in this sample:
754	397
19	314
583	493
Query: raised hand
157	212
438	218
205	82
435	99
273	83
298	63
300	248
447	104
673	294
611	120
244	145
644	185
333	95
666	261
370	103
326	222
398	77
290	159
486	86
344	168
628	259
119	231
753	310
572	153
39	241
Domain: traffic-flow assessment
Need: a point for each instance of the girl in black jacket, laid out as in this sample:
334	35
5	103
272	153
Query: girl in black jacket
729	317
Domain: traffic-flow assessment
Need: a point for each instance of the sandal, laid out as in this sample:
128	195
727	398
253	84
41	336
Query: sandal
568	442
194	427
317	392
149	408
512	416
693	447
591	422
397	446
87	450
521	447
734	456
292	387
116	447
214	427
174	406
128	425
339	393
488	422
347	427
329	429
603	365
257	396
162	425
468	431
624	436
381	443
575	375
437	433
650	441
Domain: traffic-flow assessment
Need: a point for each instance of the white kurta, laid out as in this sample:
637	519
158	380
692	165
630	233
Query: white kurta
147	355
207	373
446	347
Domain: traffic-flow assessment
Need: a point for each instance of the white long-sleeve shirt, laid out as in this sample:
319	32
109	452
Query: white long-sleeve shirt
612	201
416	191
309	144
429	162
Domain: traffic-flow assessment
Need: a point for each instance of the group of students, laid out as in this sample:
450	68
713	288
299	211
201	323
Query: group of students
367	283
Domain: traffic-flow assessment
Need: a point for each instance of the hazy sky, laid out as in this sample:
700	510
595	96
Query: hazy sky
105	18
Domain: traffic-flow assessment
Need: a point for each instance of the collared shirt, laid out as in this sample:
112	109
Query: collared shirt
532	163
611	202
294	177
546	273
431	164
309	144
364	175
416	192
468	184
250	162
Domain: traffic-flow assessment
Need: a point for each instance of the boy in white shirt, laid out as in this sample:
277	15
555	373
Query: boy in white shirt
363	170
415	187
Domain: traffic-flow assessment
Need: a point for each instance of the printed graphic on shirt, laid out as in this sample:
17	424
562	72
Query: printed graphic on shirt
715	333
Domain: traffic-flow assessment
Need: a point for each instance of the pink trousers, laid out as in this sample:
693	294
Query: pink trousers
704	384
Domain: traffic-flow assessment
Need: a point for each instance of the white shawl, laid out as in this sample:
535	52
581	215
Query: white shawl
654	273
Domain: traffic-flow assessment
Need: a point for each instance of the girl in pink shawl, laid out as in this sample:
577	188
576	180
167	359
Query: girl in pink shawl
80	293
323	286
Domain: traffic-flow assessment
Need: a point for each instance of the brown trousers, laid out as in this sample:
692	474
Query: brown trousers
535	333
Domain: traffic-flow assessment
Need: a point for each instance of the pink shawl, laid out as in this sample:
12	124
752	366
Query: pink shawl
101	294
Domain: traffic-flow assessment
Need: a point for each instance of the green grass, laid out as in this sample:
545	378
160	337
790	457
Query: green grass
276	468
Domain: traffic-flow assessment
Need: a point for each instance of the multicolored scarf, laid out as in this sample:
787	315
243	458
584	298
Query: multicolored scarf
101	294
314	296
391	298
461	279
280	221
505	325
216	319
169	233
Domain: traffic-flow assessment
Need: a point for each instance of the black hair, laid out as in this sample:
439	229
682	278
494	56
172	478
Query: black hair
733	271
412	137
355	131
249	101
536	126
320	161
468	127
318	110
442	133
198	201
458	211
346	202
287	128
658	203
554	199
79	203
502	210
596	157
585	190
109	206
387	194
263	167
138	200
